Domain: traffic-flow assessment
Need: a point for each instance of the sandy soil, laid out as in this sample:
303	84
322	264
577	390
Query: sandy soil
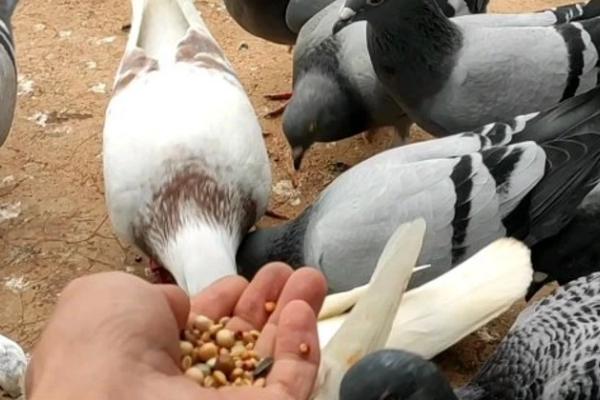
53	222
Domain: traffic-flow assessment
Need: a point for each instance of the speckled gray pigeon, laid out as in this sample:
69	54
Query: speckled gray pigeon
550	353
8	69
471	189
453	75
13	364
336	92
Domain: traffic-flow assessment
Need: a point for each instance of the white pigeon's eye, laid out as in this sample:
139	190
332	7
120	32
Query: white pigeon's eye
374	2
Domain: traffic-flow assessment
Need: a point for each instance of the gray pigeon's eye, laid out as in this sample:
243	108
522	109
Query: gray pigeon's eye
374	2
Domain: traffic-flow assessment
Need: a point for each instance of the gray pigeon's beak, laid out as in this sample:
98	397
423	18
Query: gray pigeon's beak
298	155
345	18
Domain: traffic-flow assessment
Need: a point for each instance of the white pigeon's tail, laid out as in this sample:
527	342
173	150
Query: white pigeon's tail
433	317
368	325
438	314
158	26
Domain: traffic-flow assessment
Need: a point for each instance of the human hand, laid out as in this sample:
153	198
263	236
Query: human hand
115	336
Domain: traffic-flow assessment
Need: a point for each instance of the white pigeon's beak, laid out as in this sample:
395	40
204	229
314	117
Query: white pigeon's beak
367	327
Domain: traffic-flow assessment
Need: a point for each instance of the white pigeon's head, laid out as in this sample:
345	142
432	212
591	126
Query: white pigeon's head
367	327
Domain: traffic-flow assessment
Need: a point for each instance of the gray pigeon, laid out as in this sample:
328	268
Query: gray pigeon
8	69
470	188
550	353
280	21
336	92
454	75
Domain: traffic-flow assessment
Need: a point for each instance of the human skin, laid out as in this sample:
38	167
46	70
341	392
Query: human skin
115	336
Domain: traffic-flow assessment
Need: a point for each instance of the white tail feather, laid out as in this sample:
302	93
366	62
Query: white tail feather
157	26
339	303
368	325
438	314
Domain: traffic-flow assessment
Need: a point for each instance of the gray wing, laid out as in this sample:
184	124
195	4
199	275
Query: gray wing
551	350
527	69
298	12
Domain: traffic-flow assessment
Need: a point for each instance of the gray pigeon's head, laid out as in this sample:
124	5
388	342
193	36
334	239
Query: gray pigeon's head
321	110
355	10
395	375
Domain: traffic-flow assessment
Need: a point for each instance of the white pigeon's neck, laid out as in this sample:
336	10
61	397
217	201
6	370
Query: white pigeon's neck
198	255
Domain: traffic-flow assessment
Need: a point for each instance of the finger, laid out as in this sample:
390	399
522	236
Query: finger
295	370
219	299
178	301
306	284
250	312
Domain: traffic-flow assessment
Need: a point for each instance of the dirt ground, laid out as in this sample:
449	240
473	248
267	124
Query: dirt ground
53	221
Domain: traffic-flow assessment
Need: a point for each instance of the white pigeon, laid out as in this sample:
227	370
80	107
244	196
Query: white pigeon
13	364
185	165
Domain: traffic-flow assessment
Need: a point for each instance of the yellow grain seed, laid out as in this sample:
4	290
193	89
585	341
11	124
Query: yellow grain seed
186	348
225	364
202	323
207	351
304	349
223	321
270	307
236	373
225	338
212	362
238	382
214	329
186	362
238	350
196	374
209	382
260	382
220	378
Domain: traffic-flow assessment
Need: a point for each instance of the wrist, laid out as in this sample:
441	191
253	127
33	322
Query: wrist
67	378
